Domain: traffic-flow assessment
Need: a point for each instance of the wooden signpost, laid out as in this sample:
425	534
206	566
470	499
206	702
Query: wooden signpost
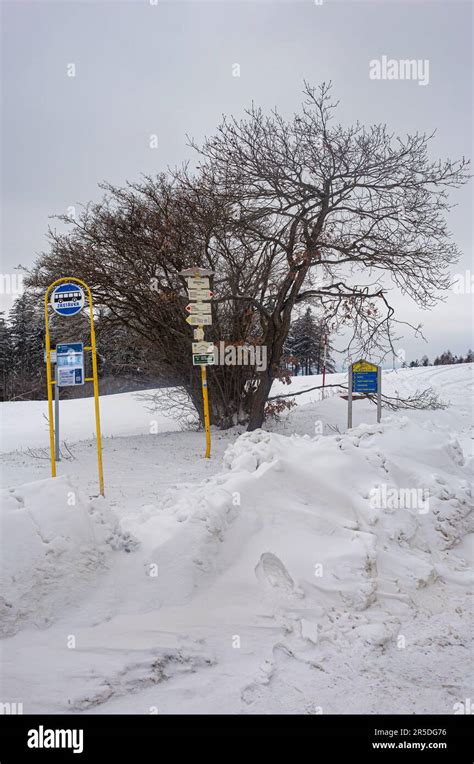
200	315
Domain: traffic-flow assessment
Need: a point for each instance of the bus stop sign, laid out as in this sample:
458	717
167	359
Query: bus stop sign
67	299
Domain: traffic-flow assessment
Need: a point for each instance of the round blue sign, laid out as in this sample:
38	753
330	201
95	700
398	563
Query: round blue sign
67	299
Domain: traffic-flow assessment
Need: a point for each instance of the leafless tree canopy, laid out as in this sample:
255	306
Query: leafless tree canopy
285	212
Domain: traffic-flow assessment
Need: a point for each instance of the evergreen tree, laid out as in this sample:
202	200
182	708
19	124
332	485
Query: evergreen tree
27	345
121	353
448	358
6	358
305	345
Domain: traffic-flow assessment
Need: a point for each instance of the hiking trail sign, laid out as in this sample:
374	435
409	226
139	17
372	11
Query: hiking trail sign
199	319
199	292
364	378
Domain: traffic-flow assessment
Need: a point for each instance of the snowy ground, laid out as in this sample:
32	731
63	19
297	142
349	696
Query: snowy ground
300	570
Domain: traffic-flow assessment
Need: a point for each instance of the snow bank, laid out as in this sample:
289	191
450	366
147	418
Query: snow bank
54	547
324	556
342	521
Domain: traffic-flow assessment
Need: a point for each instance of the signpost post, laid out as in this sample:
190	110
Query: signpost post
52	358
364	377
200	315
349	398
67	299
324	364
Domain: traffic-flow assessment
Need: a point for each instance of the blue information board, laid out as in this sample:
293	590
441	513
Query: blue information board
364	381
70	362
364	378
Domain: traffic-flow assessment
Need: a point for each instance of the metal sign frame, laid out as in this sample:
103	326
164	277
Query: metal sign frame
94	378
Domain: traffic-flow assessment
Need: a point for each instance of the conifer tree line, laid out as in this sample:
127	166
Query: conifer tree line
22	342
445	359
304	349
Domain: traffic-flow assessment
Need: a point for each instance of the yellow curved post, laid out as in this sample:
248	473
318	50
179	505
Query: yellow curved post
205	398
49	378
96	399
95	379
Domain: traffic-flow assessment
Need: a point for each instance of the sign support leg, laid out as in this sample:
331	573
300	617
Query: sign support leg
324	365
349	399
379	394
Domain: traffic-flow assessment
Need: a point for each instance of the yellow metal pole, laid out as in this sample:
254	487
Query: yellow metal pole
205	398
96	398
64	280
49	382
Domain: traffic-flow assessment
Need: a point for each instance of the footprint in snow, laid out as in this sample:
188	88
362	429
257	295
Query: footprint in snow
271	572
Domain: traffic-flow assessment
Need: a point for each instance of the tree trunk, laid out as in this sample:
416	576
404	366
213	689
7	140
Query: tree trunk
275	338
259	399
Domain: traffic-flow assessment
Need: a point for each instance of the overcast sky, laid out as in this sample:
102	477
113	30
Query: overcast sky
166	68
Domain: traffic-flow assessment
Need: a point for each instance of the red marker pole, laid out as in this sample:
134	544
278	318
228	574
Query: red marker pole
324	363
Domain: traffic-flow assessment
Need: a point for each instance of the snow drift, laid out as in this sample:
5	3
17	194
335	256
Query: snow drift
311	572
55	546
343	520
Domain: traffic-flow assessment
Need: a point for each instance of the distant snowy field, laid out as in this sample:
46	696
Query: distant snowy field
272	578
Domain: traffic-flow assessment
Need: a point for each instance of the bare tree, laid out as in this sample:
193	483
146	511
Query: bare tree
284	212
344	213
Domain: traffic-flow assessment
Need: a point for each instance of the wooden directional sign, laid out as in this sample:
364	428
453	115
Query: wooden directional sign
198	282
196	271
198	307
203	347
200	294
199	319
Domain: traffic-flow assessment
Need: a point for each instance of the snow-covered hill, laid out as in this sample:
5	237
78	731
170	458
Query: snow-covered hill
304	569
